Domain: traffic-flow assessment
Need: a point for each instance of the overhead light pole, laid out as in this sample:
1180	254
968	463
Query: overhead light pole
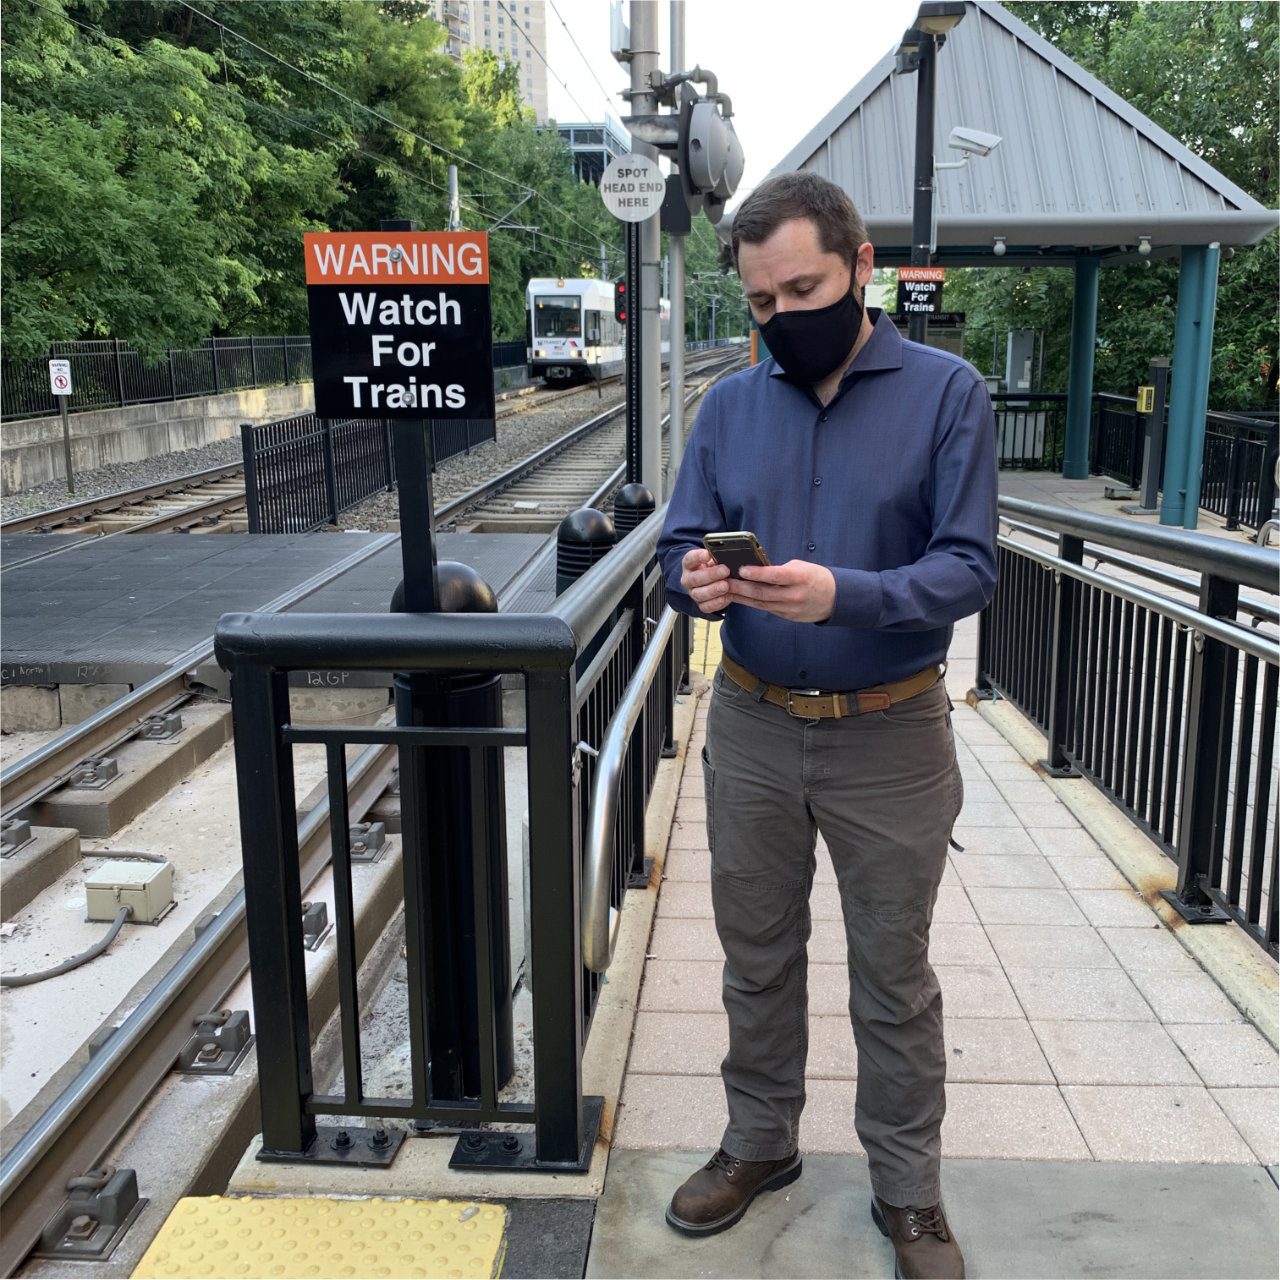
918	52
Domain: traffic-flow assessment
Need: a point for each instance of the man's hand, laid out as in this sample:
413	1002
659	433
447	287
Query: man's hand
798	591
706	582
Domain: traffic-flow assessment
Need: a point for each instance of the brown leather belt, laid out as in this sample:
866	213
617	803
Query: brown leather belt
815	704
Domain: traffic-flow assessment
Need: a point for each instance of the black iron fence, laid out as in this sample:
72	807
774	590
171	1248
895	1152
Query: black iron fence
1030	430
1167	705
1238	480
109	373
565	714
1117	443
303	472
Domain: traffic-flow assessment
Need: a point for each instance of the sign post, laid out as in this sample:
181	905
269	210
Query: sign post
401	329
60	385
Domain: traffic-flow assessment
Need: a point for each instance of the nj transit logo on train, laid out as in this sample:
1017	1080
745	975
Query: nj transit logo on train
400	324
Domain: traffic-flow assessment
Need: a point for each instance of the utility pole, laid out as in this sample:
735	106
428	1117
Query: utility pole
645	304
455	209
676	246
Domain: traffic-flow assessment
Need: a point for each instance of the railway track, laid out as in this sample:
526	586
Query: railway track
83	1112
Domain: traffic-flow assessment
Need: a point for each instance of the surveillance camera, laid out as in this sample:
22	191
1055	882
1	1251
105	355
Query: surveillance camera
980	144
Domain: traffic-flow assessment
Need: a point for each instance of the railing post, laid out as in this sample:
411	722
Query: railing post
1066	594
273	909
635	783
555	893
388	454
253	362
1235	479
251	500
284	356
330	472
119	374
1206	762
173	380
213	345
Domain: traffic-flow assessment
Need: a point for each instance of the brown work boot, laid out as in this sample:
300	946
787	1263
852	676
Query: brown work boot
923	1246
718	1194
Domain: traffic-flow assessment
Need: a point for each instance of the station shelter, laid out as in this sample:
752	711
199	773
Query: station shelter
1079	179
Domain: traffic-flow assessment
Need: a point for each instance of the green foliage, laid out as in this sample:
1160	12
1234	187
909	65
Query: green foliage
1207	73
161	165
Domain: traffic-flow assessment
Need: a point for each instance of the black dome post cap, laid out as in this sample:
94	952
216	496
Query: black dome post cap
587	525
462	590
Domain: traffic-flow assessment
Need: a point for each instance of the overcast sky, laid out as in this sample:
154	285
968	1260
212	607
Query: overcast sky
783	65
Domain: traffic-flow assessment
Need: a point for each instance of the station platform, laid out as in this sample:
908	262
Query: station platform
121	610
1112	1074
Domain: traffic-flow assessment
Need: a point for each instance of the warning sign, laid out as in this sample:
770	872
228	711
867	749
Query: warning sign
920	290
400	324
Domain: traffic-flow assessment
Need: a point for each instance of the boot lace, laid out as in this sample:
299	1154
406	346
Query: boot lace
723	1160
930	1220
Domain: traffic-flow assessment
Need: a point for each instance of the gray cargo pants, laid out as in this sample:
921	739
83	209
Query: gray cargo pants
884	789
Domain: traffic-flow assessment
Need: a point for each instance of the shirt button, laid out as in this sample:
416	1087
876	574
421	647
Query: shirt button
822	417
804	675
813	546
817	479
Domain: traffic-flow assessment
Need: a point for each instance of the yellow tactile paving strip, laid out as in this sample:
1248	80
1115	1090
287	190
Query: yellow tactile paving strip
705	654
295	1239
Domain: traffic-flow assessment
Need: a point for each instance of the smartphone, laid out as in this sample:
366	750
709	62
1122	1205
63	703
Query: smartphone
735	549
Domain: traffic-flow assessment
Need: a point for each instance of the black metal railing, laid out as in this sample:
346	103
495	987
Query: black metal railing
1237	481
1167	705
1117	439
1030	430
565	715
303	472
109	373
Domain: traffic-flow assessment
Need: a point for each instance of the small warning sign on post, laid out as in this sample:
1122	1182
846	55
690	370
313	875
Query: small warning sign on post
400	324
633	188
60	377
920	290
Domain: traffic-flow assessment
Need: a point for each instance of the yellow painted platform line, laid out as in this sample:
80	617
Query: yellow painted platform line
313	1237
705	655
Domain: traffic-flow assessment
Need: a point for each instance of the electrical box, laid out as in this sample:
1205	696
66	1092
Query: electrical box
147	887
1146	399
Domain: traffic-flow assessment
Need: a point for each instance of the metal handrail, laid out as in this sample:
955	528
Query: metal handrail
600	920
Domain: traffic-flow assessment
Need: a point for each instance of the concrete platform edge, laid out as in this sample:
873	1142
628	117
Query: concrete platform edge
1246	975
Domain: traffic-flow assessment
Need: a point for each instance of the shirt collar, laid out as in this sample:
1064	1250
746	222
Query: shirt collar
882	350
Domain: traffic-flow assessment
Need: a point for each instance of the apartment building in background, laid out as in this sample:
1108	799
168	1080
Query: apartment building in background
516	30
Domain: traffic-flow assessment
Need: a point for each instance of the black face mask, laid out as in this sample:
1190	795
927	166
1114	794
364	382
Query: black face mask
811	344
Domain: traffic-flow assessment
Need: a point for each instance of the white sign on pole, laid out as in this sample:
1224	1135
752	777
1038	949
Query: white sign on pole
60	377
633	188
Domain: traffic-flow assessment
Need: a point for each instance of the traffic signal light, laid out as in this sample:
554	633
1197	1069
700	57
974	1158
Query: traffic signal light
620	307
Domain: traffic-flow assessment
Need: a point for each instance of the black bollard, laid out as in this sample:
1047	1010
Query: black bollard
632	506
443	834
584	536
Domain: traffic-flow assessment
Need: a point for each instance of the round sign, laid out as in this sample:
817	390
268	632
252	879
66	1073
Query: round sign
633	188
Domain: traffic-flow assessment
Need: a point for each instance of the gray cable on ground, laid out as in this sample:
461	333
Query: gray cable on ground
26	979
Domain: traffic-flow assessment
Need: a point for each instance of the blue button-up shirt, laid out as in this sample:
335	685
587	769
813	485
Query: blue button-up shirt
892	486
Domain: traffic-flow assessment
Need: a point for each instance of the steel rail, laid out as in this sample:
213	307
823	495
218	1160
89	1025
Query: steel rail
600	920
43	520
34	774
73	1133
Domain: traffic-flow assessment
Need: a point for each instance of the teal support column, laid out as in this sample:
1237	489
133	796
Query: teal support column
1179	502
1200	392
1084	332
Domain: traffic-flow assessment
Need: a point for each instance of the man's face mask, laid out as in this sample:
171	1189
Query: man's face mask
809	345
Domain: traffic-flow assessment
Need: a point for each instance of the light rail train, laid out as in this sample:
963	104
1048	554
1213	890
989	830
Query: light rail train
573	334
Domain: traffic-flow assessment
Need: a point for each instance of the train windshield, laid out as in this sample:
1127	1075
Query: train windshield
556	316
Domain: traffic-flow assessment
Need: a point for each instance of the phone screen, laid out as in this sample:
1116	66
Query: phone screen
735	550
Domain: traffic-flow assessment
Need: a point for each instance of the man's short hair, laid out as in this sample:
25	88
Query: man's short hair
801	195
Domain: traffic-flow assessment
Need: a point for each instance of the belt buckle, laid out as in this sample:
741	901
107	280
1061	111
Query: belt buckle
802	693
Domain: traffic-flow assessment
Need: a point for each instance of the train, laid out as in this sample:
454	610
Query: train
573	334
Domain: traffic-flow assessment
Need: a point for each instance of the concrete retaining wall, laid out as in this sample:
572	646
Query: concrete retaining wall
31	449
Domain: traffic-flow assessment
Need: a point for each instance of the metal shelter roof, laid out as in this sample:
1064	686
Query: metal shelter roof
1078	167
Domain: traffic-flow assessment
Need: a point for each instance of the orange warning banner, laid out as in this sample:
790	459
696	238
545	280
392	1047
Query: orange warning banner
396	257
922	273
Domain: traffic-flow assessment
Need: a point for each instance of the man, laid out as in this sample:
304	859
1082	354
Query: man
865	465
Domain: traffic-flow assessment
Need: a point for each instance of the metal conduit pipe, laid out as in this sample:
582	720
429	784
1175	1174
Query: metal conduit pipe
600	921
